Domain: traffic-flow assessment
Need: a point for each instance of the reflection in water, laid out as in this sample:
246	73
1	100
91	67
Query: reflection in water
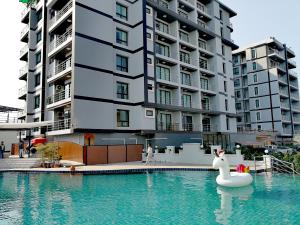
226	196
149	180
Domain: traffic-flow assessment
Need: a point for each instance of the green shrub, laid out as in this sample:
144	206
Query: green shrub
296	162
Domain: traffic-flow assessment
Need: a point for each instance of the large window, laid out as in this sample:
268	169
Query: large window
121	37
255	78
164	97
236	71
255	90
163	49
187	101
39	15
163	73
37	79
163	27
253	53
122	63
254	66
258	116
38	58
38	36
185	57
186	79
237	82
122	90
257	103
37	101
122	118
204	84
121	11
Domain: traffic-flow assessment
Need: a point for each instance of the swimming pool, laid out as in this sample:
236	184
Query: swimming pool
156	198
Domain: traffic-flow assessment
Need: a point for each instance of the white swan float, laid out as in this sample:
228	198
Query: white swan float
227	178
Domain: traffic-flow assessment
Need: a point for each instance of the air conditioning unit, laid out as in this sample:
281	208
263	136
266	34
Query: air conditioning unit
59	88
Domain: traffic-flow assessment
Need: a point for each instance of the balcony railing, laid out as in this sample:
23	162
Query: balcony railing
275	51
206	127
294	83
61	13
22	91
202	24
287	131
60	125
60	40
204	65
183	13
25	30
285	105
24	50
202	7
276	65
184	57
25	11
292	62
283	91
22	113
162	3
296	107
60	67
286	117
282	79
296	119
190	127
162	27
62	95
206	106
23	70
168	126
295	95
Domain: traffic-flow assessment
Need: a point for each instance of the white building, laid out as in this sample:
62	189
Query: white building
132	69
266	88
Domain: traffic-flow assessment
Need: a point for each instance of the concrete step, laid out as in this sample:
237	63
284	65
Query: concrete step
17	163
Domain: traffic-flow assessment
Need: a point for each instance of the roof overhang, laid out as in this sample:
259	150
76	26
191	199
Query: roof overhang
23	126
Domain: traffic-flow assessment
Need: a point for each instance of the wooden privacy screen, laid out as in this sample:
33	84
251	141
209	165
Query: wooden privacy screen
71	151
107	154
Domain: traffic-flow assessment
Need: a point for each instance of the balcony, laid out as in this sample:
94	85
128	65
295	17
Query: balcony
285	105
205	67
60	125
24	34
202	9
161	126
293	73
207	88
190	127
296	119
287	131
162	3
292	64
185	58
22	93
183	13
23	72
202	24
59	70
59	99
283	92
282	79
296	107
276	55
273	64
63	13
205	106
25	15
60	42
294	84
24	53
207	128
21	114
162	27
286	118
295	95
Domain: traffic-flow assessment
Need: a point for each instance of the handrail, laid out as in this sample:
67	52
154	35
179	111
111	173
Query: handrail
61	12
60	67
59	96
60	125
25	30
60	39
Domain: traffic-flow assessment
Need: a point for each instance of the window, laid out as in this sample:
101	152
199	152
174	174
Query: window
186	101
149	113
186	79
122	90
183	36
239	119
255	78
121	11
149	36
235	59
39	15
238	106
149	60
227	124
221	31
226	104
122	63
122	118
253	53
38	58
38	36
236	71
257	103
221	14
185	57
36	101
164	97
36	129
255	90
148	10
225	86
121	37
224	68
258	116
237	82
223	50
37	79
259	127
163	73
254	66
162	49
238	94
204	84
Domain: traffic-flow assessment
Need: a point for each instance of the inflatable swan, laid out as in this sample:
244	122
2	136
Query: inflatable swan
227	178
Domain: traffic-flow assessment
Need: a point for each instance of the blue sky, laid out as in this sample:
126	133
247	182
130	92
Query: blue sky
256	20
260	19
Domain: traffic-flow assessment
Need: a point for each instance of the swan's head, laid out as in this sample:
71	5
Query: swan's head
220	160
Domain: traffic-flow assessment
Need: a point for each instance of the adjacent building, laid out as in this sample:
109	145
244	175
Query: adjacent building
128	70
266	88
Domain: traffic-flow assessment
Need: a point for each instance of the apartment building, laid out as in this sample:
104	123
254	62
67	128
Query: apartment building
266	88
128	69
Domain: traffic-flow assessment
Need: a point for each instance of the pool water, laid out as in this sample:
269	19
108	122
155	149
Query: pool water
154	198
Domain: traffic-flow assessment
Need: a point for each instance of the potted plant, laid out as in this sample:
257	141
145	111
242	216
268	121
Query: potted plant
49	155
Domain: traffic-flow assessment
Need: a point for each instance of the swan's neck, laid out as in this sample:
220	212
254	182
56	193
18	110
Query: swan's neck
224	172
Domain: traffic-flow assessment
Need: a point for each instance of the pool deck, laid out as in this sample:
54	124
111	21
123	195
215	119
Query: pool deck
135	167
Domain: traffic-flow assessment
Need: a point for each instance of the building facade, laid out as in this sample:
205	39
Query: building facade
128	69
266	88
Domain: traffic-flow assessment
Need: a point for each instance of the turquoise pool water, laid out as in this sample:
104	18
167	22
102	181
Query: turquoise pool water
156	198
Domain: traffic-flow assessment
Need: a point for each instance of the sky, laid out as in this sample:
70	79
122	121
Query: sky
256	21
